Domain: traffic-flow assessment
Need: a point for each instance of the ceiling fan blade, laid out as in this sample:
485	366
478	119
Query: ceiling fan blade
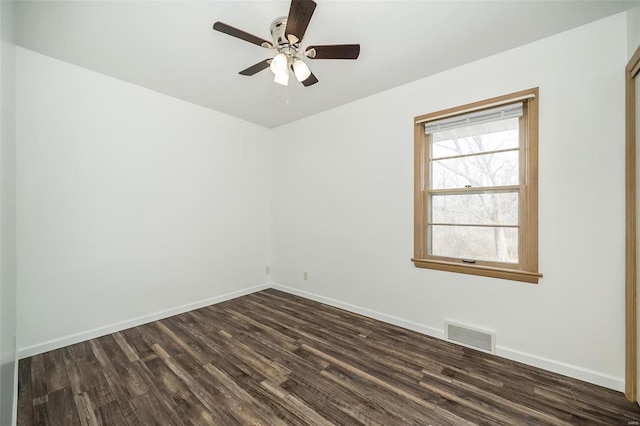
254	69
300	13
334	51
242	35
311	80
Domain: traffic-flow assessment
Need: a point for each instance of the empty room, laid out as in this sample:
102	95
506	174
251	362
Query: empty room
319	212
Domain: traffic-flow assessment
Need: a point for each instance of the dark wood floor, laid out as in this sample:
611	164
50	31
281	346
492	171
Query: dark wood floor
271	358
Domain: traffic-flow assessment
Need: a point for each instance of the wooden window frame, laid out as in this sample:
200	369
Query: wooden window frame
526	270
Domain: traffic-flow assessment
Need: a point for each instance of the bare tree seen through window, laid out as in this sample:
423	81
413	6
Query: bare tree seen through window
478	218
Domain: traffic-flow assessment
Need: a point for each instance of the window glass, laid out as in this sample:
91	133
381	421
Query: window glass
475	243
499	208
492	169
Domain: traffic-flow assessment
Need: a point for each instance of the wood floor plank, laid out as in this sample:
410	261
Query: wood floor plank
118	384
38	377
359	362
494	408
180	341
152	335
371	378
197	389
333	398
223	356
25	396
484	397
296	405
246	408
271	358
62	408
121	340
136	341
55	371
465	415
100	391
111	414
180	397
85	411
379	407
333	413
80	376
41	411
163	403
280	407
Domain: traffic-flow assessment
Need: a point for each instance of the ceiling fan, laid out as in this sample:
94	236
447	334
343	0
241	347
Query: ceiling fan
287	34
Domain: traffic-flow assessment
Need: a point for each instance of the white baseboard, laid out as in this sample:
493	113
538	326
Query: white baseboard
420	328
615	383
123	325
611	382
605	380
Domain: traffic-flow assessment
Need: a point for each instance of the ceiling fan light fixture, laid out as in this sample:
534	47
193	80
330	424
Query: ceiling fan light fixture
282	77
301	70
279	63
287	33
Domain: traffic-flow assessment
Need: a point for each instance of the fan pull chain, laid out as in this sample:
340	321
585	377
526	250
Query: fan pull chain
278	86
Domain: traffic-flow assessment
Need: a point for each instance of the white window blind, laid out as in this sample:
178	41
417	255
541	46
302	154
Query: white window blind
473	118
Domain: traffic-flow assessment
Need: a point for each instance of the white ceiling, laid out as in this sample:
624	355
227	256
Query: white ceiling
170	46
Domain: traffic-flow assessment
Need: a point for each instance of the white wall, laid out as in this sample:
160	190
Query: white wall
8	277
130	204
343	206
633	31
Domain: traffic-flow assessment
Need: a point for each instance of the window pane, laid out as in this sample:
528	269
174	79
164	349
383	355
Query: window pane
495	169
484	209
477	243
493	136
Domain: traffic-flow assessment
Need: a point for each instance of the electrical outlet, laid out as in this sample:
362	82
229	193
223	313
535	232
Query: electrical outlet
267	270
305	276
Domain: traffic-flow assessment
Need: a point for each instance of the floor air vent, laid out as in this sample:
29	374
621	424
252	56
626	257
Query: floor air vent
471	337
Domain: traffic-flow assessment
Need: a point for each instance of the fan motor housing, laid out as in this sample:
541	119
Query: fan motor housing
278	28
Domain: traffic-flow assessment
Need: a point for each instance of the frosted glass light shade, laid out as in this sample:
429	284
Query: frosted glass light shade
301	70
282	77
278	63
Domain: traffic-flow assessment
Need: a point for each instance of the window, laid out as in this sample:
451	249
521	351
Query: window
476	188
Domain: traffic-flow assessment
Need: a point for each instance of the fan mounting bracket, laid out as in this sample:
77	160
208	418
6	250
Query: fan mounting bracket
280	41
278	27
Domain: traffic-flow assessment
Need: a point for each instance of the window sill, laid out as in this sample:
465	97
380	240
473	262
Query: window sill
485	271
